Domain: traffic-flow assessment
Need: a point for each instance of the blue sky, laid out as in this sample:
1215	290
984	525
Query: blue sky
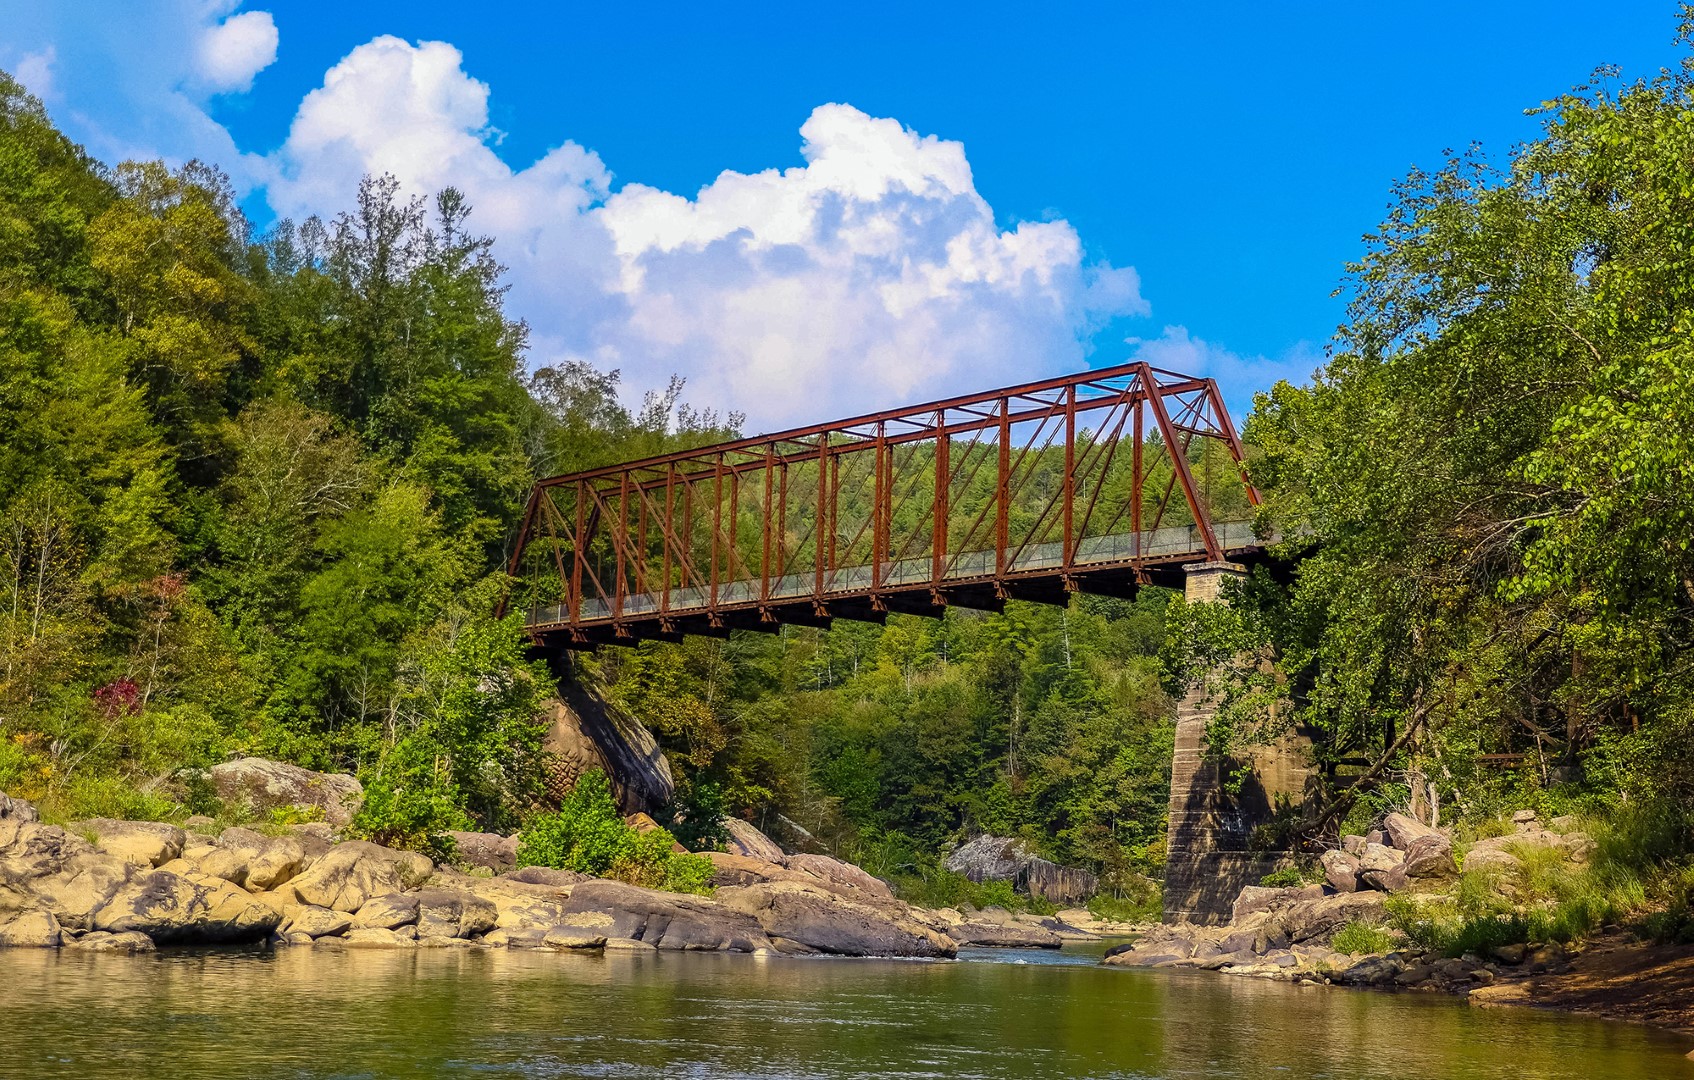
1188	177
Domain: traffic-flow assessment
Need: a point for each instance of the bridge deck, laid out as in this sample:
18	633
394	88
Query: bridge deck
970	581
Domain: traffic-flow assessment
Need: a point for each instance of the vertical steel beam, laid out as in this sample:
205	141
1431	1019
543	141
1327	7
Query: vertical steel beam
1068	549
880	496
943	500
1003	489
821	549
717	528
765	556
670	503
618	588
577	555
1135	477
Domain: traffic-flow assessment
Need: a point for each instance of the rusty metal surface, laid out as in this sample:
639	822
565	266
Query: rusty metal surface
1026	491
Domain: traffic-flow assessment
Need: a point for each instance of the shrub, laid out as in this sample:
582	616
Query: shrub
588	835
1357	937
1146	906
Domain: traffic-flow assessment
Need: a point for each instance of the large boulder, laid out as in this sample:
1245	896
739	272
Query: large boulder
807	918
454	913
488	850
16	809
255	862
840	876
1004	936
745	839
24	922
354	872
139	843
29	849
81	887
1430	856
586	731
1402	830
664	920
1341	869
1001	858
389	912
313	921
261	785
186	908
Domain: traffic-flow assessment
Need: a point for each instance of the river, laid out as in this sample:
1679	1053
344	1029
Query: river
316	1013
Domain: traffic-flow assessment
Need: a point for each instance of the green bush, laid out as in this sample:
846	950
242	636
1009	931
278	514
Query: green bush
588	835
1357	937
1147	906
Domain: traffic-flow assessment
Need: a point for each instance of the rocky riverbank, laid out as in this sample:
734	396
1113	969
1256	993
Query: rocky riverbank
108	885
1297	934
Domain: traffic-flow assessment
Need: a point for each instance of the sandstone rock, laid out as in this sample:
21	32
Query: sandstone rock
1372	971
1375	836
818	920
1341	868
262	785
387	912
1259	898
453	913
1430	856
842	875
140	843
665	920
314	920
623	944
513	939
81	886
998	936
1353	845
1483	857
354	872
256	862
730	869
1415	974
1315	920
747	841
99	941
999	858
187	908
572	937
316	838
497	853
587	731
1509	954
371	938
546	875
16	809
29	849
1380	857
36	929
1387	881
1523	817
1402	830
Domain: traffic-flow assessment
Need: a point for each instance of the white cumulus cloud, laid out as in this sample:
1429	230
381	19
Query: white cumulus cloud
233	51
130	80
870	275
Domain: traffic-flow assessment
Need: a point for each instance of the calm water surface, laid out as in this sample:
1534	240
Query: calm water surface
305	1013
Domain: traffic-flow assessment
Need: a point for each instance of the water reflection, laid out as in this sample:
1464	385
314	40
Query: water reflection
313	1013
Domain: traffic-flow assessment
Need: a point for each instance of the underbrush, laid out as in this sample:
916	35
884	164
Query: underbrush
1358	937
588	835
1636	871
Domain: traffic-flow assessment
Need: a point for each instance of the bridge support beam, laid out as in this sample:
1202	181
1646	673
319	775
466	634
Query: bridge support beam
1210	842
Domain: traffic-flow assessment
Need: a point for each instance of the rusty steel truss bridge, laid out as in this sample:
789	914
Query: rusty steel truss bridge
1100	481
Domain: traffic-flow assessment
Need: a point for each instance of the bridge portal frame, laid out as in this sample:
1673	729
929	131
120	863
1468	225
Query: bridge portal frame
604	522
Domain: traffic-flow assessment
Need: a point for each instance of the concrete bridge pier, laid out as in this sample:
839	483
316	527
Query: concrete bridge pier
1208	842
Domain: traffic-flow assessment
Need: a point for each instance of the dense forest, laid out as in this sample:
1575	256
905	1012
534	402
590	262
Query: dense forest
256	492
